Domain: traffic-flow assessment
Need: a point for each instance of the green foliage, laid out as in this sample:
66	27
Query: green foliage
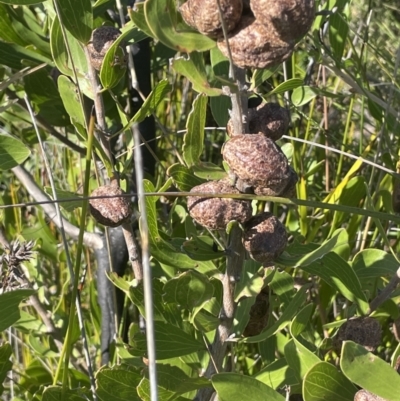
342	88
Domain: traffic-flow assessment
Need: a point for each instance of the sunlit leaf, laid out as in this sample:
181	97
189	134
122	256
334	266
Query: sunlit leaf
12	151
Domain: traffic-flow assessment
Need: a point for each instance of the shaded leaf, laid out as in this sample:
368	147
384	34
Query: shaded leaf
12	151
193	140
55	393
208	171
9	306
236	387
5	363
324	382
77	17
277	374
202	248
303	95
190	289
338	31
117	384
183	178
193	68
161	19
12	55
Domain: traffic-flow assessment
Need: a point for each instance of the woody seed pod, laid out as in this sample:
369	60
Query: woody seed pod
270	119
258	314
364	395
101	40
111	212
256	45
291	18
216	213
264	238
365	331
259	162
203	15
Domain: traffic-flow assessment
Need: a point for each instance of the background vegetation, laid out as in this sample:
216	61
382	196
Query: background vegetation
342	88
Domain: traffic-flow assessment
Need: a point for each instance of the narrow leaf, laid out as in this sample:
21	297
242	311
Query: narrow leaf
9	306
193	140
5	363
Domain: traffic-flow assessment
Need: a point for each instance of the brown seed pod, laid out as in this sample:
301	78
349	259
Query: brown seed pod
256	45
259	162
111	212
364	395
365	331
258	314
216	213
101	40
264	238
291	18
270	119
289	191
203	15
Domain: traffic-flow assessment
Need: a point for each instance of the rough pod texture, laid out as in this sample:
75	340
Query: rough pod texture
101	40
258	314
216	213
259	162
203	15
286	190
270	119
291	18
256	45
364	395
365	331
264	238
110	212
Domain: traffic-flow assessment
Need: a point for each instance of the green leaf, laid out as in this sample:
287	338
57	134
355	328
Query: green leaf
220	106
338	32
55	393
190	289
303	95
339	274
236	387
170	340
161	250
324	382
21	2
12	55
287	315
260	76
45	98
299	358
12	151
9	306
5	363
193	140
369	371
372	263
208	171
202	248
149	106
183	178
77	17
69	95
117	384
192	67
161	19
288	85
277	374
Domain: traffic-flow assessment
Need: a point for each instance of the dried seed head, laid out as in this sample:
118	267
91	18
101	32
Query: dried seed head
364	395
264	238
291	18
216	213
203	15
259	162
101	40
111	212
256	45
365	331
258	314
270	119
